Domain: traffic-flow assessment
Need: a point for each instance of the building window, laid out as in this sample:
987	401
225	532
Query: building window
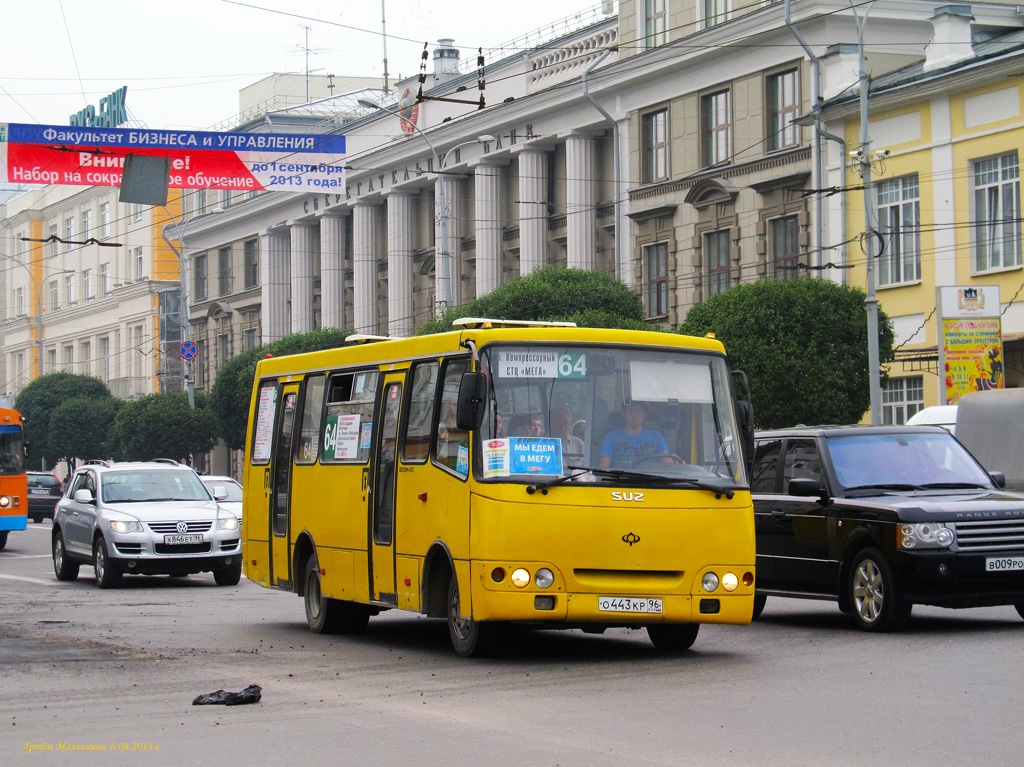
104	219
199	277
51	360
715	12
105	279
51	234
85	354
250	338
997	213
717	122
783	107
655	23
137	211
252	263
199	202
139	271
86	224
103	358
784	248
899	221
223	349
69	290
87	287
69	357
657	279
654	136
224	271
19	301
901	398
716	247
69	232
54	296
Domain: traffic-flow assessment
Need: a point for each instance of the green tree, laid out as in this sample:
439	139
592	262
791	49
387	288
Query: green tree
803	345
84	427
232	391
37	403
164	426
590	299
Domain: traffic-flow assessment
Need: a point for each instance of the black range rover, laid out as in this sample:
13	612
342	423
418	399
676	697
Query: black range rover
881	518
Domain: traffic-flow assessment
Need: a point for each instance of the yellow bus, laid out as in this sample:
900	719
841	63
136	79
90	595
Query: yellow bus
504	473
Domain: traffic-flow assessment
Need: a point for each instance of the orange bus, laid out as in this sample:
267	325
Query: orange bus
13	482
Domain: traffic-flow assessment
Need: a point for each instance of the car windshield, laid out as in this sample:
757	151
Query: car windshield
233	489
627	415
877	461
141	485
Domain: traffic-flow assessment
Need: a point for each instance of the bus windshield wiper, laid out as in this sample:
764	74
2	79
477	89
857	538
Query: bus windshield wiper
661	479
543	486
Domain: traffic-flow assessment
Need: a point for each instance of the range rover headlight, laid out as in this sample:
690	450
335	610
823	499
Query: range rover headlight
125	526
227	523
925	535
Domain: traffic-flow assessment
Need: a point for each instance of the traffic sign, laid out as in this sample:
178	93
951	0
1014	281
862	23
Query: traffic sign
188	350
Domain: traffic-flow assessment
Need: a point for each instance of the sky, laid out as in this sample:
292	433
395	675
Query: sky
185	61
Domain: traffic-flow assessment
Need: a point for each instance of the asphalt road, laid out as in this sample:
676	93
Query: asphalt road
88	668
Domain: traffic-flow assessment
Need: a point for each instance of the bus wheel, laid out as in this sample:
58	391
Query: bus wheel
63	567
107	576
330	616
3	538
759	602
470	638
674	637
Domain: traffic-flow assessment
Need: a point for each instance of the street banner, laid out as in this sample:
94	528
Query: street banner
971	346
83	156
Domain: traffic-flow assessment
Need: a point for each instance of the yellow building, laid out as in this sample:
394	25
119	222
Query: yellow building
944	137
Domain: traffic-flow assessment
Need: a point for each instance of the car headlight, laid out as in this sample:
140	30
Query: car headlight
227	523
925	535
124	526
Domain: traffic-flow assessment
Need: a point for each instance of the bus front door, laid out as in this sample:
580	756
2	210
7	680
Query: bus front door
382	496
280	489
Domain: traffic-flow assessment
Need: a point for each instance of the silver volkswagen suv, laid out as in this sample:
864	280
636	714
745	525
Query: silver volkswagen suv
154	518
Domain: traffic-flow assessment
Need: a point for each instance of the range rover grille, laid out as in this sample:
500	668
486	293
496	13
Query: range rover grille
990	535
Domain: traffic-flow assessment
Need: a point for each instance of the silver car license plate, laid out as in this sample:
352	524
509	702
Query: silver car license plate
173	540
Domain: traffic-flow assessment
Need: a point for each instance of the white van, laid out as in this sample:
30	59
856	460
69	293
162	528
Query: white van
992	428
937	415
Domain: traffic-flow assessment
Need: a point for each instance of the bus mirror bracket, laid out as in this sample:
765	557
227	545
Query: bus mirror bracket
472	400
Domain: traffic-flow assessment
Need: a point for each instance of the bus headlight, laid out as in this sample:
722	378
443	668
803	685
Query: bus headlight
544	578
730	581
925	535
520	578
709	582
5	501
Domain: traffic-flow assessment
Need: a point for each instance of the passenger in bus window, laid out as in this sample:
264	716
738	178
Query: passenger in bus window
561	422
628	445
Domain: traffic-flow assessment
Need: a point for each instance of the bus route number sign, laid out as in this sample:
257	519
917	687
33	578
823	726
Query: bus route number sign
541	364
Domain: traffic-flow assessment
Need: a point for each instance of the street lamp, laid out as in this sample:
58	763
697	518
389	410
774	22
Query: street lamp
444	271
186	329
39	309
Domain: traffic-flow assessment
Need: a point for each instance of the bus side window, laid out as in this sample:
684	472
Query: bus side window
450	438
348	425
422	395
309	429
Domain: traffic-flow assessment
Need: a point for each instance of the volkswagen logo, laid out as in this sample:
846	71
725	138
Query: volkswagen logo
182	527
631	538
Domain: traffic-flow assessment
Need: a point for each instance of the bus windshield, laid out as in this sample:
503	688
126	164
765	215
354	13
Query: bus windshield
12	450
611	414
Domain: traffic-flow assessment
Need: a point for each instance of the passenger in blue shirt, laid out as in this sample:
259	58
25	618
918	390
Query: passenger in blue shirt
625	447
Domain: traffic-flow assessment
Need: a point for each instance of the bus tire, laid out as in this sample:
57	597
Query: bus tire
3	538
63	567
107	576
230	575
470	638
330	616
759	602
674	637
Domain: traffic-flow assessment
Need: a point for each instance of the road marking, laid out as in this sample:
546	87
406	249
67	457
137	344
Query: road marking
40	581
27	556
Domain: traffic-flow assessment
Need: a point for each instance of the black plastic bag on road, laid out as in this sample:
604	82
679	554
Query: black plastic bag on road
250	694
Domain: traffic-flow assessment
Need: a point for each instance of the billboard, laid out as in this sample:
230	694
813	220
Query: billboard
84	156
971	347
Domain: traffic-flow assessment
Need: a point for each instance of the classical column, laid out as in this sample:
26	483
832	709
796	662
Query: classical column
364	269
275	245
332	271
446	280
302	277
488	228
581	202
533	210
400	311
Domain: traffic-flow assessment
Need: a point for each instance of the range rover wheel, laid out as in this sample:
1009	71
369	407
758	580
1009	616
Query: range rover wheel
875	602
63	567
673	638
470	638
107	576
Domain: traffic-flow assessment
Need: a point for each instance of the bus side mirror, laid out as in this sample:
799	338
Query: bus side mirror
472	401
745	413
